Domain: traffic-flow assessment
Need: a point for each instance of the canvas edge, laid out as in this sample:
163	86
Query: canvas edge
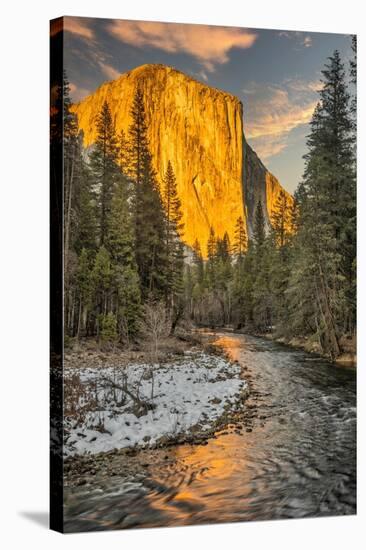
56	518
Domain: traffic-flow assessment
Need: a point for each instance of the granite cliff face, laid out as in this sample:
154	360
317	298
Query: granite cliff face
259	184
200	130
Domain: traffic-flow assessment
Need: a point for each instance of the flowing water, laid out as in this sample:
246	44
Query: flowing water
299	460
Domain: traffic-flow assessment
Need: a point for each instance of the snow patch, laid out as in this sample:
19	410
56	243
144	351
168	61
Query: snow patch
177	396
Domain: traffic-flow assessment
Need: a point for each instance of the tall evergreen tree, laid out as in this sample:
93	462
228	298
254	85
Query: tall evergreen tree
223	277
101	278
198	262
279	250
281	220
322	275
124	268
123	153
149	216
198	283
84	286
240	241
173	231
211	245
85	227
211	257
336	146
353	75
104	164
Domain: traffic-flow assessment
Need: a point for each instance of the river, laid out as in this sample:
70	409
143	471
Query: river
297	458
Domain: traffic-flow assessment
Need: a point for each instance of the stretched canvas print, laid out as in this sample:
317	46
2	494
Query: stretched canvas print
203	274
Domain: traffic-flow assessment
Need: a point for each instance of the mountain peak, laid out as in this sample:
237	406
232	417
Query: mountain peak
200	131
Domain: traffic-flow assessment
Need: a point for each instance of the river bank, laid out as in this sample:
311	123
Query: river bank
347	358
111	415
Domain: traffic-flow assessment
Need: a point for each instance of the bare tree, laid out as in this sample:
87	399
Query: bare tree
154	326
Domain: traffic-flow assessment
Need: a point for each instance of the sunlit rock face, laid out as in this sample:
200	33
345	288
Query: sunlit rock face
200	130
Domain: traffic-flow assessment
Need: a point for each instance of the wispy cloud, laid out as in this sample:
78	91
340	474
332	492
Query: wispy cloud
109	71
300	38
97	59
202	75
209	45
78	93
79	26
272	112
303	86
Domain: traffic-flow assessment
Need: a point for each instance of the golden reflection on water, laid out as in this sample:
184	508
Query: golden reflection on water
203	475
205	459
231	345
204	471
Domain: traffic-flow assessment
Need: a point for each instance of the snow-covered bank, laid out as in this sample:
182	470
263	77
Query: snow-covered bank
113	407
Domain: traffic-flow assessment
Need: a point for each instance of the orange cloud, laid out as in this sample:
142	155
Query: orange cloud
273	112
279	116
267	147
78	26
210	45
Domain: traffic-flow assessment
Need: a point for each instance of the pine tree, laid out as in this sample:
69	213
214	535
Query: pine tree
223	277
123	153
173	231
240	241
139	156
104	165
128	307
84	286
101	277
336	147
223	248
123	262
211	245
149	216
85	226
198	262
261	289
321	287
243	282
353	76
281	220
120	236
211	258
260	279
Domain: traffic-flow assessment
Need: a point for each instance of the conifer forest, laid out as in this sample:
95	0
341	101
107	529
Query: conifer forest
207	314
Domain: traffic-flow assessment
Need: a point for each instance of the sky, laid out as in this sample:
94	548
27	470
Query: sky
275	73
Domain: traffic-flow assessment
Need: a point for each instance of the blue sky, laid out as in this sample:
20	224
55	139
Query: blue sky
275	73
